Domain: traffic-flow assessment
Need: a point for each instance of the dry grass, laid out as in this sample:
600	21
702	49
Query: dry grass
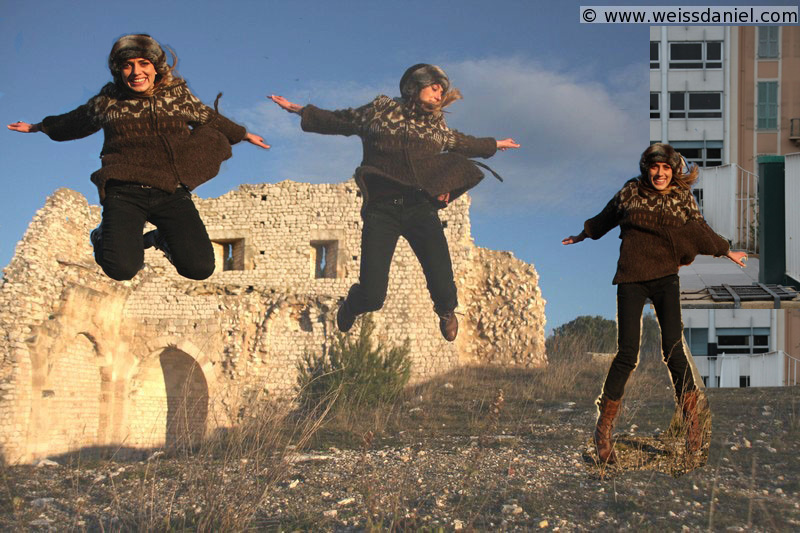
479	447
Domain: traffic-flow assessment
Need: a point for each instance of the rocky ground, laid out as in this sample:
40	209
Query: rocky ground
507	461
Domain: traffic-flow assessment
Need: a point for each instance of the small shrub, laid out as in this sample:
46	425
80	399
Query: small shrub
354	373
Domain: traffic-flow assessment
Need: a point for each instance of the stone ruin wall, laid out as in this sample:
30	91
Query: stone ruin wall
88	362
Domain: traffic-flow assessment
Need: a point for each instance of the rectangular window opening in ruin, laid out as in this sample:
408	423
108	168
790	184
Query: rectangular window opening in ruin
228	254
324	255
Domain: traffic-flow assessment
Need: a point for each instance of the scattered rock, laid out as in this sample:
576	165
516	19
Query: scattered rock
155	455
42	502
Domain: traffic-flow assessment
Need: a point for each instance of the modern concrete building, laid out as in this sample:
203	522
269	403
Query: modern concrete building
728	98
744	347
726	95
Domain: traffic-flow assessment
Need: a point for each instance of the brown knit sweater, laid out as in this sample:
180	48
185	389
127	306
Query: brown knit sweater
162	140
404	144
659	232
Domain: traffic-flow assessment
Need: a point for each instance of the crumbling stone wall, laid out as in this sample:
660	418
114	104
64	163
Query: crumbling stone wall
86	361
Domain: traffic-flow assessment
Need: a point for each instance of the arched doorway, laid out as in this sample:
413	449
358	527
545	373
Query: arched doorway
169	401
187	398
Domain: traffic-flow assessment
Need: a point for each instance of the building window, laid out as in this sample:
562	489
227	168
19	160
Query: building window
325	256
768	105
695	105
743	340
655	105
697	192
228	254
744	381
697	340
703	156
655	50
702	153
768	42
700	55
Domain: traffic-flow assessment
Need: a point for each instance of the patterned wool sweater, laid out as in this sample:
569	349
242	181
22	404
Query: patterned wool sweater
405	144
659	232
162	140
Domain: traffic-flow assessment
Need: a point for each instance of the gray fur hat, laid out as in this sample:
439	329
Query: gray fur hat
137	45
661	153
419	76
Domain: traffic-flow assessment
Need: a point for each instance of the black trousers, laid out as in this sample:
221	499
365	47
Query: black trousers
414	217
126	208
665	293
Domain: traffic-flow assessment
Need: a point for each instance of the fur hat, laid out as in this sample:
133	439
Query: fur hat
137	45
661	153
419	76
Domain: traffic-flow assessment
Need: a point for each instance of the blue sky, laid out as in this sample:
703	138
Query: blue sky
574	95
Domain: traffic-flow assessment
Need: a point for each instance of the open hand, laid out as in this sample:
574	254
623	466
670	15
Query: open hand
738	257
574	239
505	144
23	127
258	140
285	104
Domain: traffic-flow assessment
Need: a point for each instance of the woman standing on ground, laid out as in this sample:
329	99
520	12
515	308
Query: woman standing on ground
661	229
160	143
413	164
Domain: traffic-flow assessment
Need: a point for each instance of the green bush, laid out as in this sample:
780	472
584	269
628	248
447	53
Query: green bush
598	334
353	373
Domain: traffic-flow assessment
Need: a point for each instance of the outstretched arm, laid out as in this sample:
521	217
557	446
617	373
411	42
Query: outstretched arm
340	122
24	127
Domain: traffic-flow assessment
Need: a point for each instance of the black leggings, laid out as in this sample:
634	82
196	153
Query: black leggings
414	217
126	208
665	293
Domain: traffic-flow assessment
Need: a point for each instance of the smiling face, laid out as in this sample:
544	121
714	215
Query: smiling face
431	95
139	74
660	175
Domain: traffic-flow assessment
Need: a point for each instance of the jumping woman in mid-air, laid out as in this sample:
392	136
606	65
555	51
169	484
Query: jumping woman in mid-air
160	143
661	229
413	164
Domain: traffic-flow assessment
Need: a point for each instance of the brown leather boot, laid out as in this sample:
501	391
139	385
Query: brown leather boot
694	433
448	325
602	432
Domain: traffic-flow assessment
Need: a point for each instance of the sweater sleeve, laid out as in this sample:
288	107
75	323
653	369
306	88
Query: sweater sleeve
605	221
697	238
76	124
340	122
207	115
470	146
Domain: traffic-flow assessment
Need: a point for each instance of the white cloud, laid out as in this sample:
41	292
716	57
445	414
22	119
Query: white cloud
580	137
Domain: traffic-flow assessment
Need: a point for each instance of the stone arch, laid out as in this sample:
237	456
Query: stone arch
169	394
67	398
187	398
